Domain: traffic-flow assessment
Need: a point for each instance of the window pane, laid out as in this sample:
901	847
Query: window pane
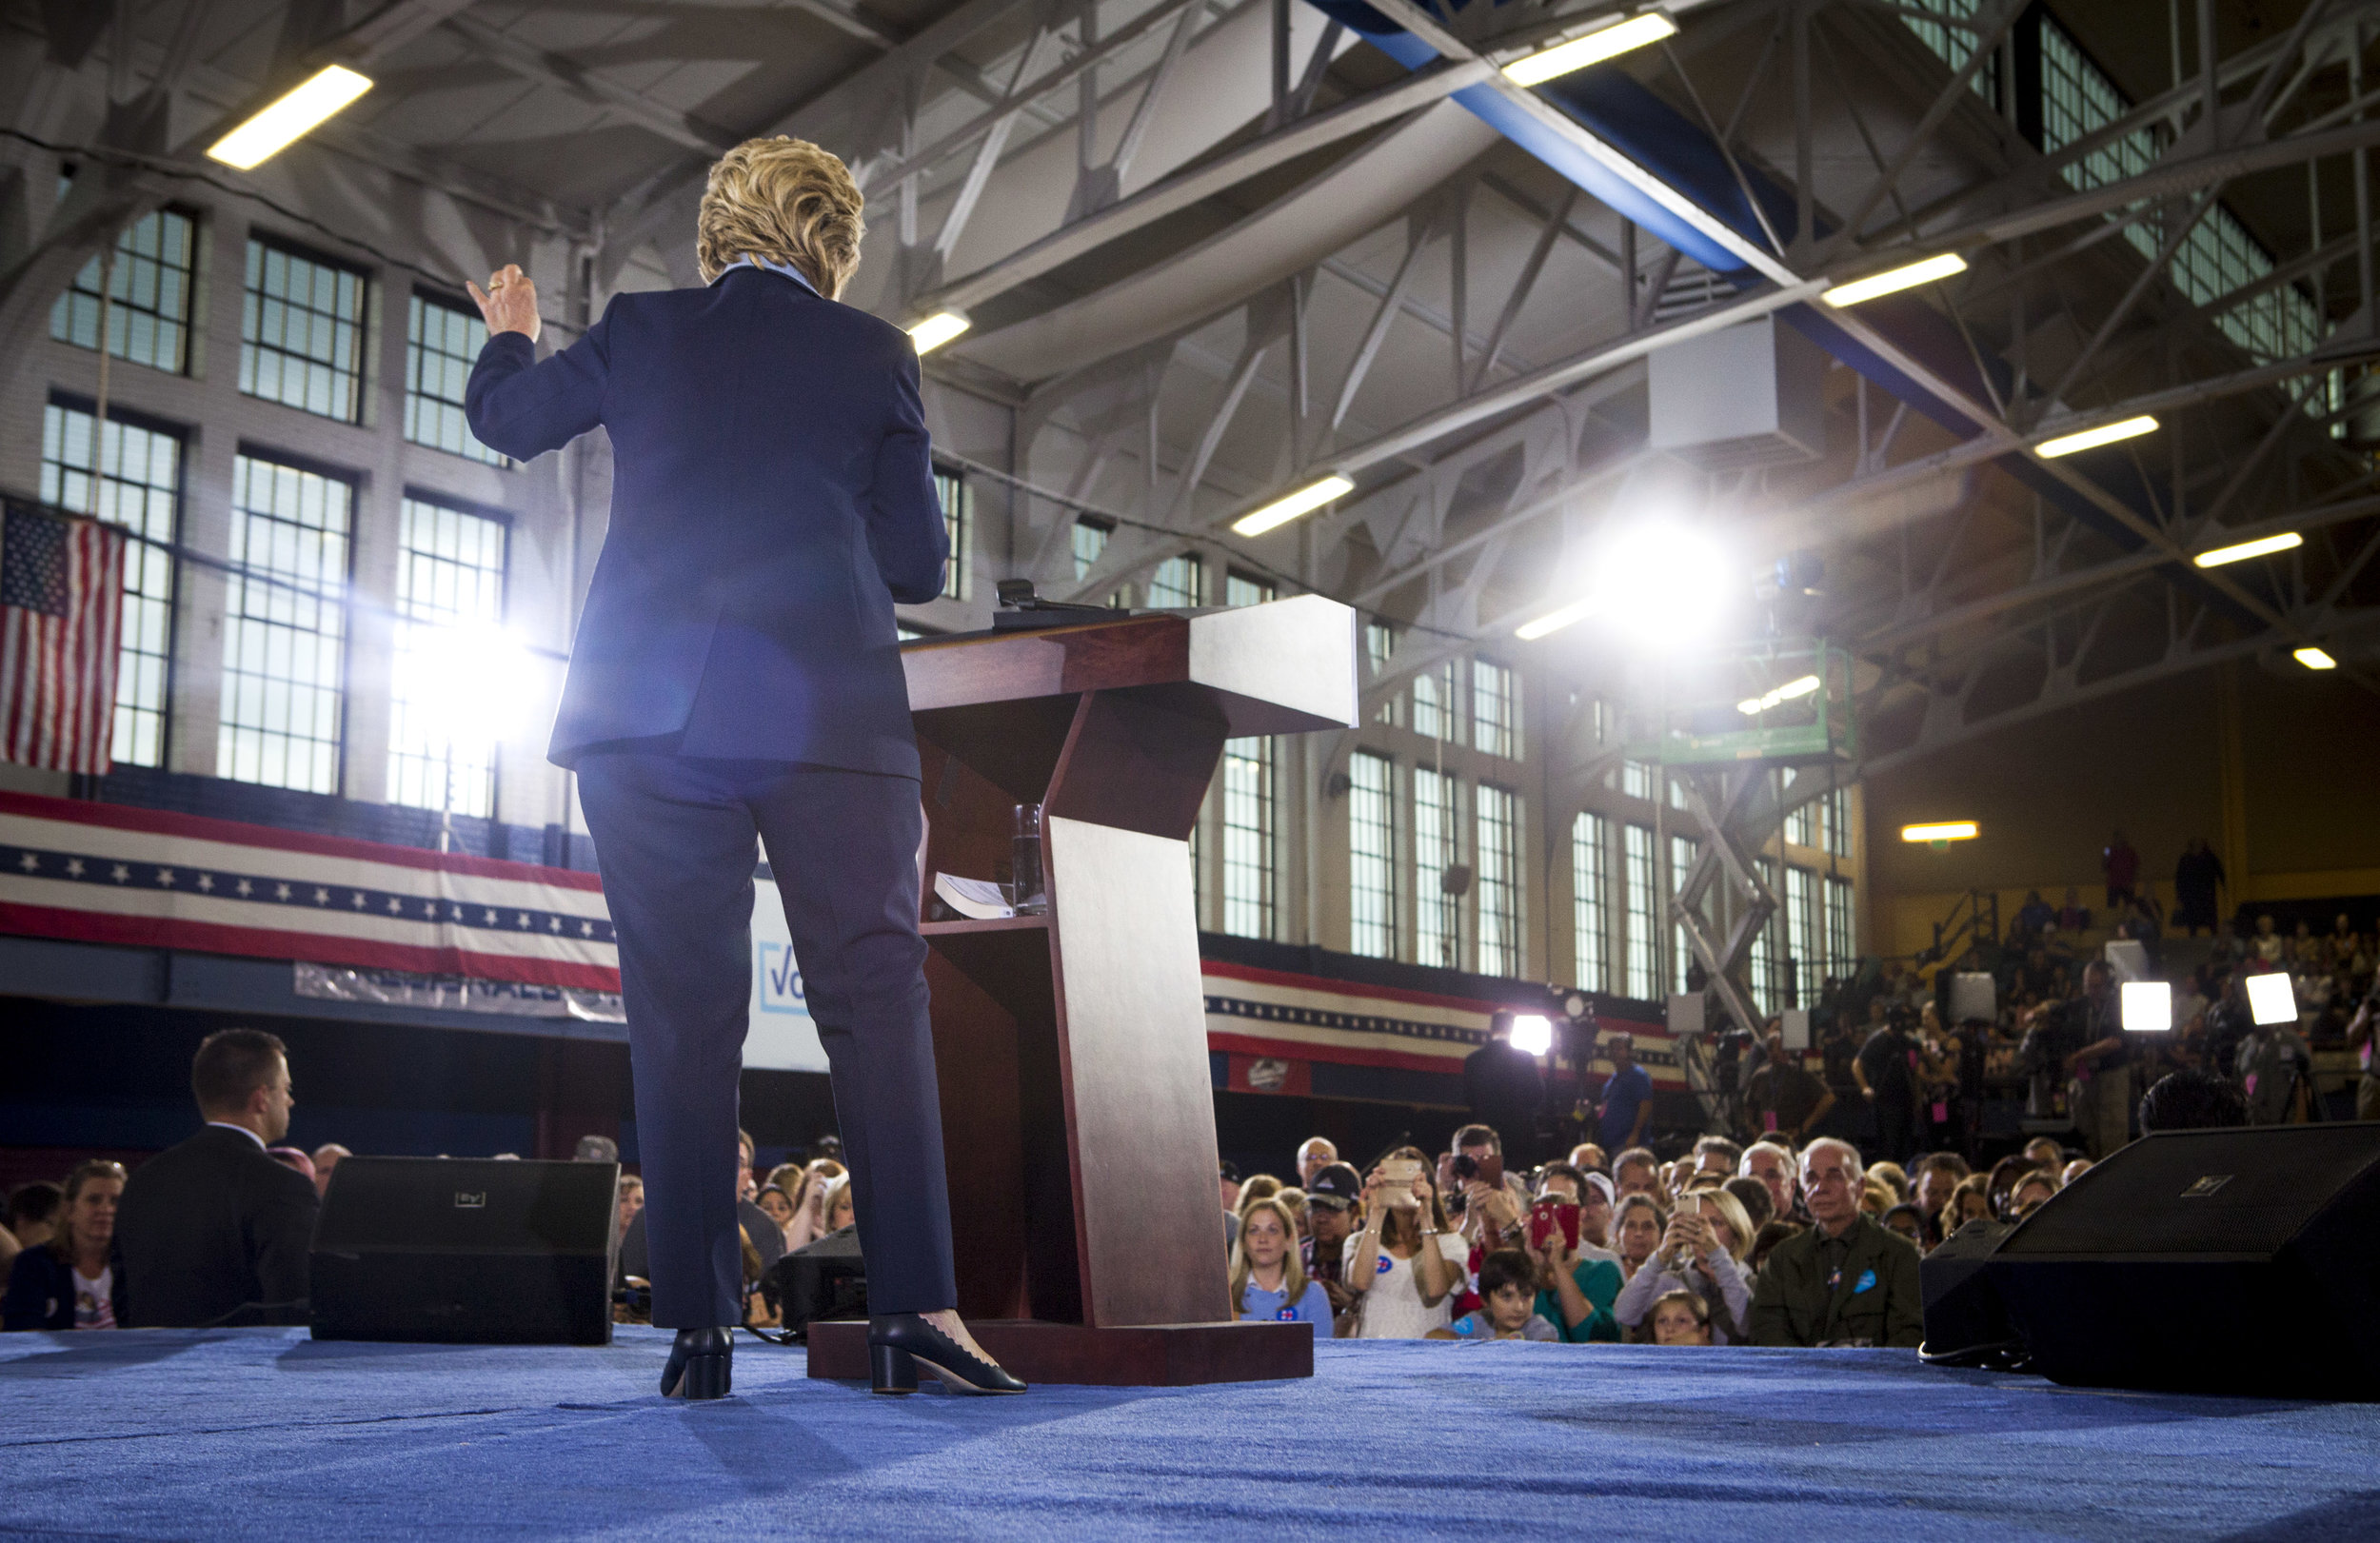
450	582
1248	838
149	304
301	334
284	642
441	342
1436	915
1498	815
1643	983
1178	582
1590	878
1494	709
957	501
1372	854
139	487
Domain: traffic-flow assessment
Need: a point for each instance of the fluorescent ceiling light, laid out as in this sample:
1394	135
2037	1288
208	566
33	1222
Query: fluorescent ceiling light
2148	1006
2272	999
1532	1033
1752	707
1281	510
2244	550
1554	620
938	330
2314	658
2091	439
272	131
1893	280
1604	43
1942	830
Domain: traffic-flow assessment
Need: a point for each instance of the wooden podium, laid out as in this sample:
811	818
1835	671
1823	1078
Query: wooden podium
1077	1105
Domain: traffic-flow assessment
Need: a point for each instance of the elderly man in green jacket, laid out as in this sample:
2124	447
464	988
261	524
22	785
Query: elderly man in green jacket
1844	1281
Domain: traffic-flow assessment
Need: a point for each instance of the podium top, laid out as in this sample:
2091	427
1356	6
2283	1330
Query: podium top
1284	667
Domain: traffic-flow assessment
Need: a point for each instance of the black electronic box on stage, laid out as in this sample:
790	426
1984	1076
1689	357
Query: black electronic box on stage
466	1250
2226	1261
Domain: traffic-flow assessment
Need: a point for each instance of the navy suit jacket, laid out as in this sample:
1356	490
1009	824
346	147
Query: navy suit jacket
772	497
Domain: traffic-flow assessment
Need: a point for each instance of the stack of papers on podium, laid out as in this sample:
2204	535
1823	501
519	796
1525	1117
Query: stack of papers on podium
976	899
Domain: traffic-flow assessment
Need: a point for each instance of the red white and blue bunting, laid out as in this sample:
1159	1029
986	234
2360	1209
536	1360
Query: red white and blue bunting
107	874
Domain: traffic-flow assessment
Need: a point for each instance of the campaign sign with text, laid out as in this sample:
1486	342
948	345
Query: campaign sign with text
782	1037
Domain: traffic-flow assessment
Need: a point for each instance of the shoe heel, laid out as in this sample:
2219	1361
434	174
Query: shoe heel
703	1376
891	1370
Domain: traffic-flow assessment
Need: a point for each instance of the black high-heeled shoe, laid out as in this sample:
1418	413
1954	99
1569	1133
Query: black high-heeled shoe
700	1364
898	1343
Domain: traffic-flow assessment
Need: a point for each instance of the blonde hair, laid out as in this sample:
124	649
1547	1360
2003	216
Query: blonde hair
1731	1210
785	200
1293	1272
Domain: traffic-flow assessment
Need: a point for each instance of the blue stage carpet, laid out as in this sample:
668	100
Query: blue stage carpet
265	1434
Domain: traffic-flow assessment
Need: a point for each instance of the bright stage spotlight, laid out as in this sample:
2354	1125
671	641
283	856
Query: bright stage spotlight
2272	999
1660	584
2314	658
2091	439
470	684
1532	1033
2148	1006
272	129
1596	47
1940	832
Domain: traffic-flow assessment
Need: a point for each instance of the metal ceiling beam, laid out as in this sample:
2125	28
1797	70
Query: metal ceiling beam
1185	189
534	64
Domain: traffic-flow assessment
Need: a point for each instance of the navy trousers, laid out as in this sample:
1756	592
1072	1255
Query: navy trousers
674	839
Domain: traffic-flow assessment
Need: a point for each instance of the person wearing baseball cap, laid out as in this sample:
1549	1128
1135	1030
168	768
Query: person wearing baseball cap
1332	1197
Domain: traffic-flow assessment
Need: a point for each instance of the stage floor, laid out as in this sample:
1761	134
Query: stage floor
264	1434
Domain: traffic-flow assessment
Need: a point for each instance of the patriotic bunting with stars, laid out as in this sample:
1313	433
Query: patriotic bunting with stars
102	873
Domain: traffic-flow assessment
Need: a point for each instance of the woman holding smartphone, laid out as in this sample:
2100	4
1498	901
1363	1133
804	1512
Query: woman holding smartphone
1407	1264
1703	1253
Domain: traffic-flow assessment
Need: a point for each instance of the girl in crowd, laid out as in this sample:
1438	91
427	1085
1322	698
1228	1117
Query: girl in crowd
1971	1200
1636	1227
1267	1278
834	1205
2005	1173
1703	1253
1407	1264
2029	1193
1682	1319
779	1205
75	1281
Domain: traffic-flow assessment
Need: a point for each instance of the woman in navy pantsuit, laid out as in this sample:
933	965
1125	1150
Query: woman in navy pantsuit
736	674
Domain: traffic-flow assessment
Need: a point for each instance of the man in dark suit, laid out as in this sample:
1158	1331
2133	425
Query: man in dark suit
214	1231
737	673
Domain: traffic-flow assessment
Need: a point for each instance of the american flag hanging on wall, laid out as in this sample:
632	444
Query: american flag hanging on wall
61	605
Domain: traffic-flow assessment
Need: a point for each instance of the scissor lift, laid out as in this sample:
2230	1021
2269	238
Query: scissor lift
1720	771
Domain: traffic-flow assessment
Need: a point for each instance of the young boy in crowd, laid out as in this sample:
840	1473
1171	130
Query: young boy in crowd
1508	1290
1681	1317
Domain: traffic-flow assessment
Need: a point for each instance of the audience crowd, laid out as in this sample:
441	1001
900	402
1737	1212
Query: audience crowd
1803	1225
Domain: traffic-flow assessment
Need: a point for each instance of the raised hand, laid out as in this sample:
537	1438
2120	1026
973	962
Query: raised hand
509	302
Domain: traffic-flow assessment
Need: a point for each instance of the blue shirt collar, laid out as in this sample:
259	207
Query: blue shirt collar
749	260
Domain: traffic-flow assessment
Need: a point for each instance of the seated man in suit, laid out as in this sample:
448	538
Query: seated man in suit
214	1231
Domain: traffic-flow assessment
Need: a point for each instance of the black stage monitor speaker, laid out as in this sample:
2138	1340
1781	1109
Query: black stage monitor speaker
465	1250
2234	1261
1966	1323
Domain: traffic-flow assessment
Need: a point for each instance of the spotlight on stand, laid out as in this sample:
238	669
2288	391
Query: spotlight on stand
1532	1033
2272	999
2148	1007
1662	585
